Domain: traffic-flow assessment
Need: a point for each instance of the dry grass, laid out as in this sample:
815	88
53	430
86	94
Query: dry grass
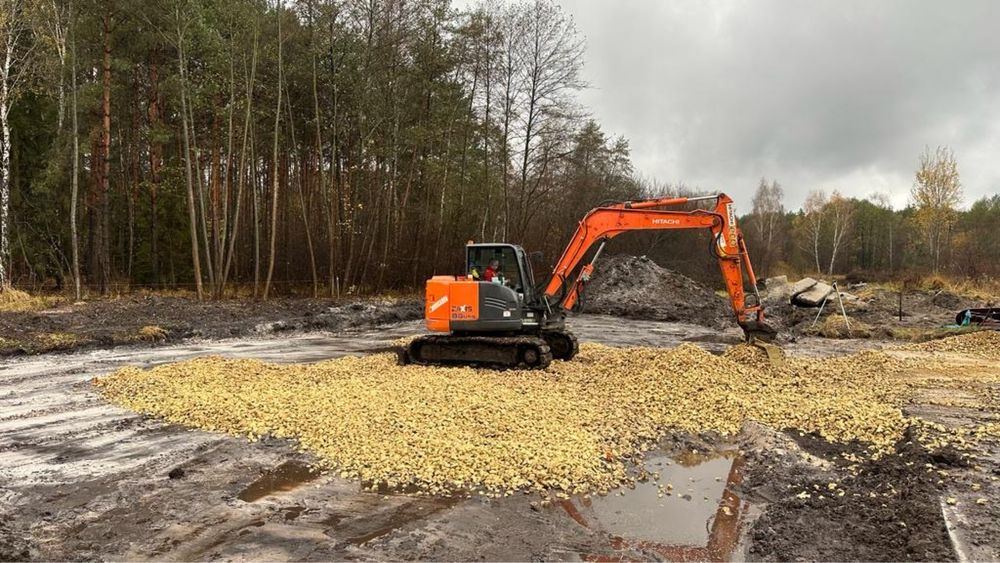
152	333
834	326
919	334
985	289
572	427
58	340
16	301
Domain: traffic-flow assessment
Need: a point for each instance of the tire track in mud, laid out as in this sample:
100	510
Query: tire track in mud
54	427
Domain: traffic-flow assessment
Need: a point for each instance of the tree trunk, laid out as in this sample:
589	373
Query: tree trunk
192	218
200	196
241	178
274	171
5	103
155	164
74	238
104	249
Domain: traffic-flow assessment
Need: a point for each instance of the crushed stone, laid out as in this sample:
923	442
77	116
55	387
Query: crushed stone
572	428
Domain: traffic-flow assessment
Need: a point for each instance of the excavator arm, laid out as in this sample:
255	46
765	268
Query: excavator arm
604	223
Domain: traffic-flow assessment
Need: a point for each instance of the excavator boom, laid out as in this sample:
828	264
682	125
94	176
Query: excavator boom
605	223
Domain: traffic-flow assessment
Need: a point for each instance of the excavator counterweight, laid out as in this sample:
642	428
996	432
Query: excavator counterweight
494	315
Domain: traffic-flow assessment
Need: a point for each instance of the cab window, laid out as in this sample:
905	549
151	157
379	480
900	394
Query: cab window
507	271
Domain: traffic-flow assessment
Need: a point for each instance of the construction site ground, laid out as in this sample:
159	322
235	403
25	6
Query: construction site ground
81	478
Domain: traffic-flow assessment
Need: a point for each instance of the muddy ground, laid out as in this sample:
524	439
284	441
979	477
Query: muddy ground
121	321
82	479
638	288
875	313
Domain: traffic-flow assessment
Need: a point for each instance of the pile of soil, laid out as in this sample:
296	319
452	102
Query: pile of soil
638	288
135	318
885	509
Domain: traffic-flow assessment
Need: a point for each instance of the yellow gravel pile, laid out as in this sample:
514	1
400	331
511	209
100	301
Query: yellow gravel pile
572	427
984	344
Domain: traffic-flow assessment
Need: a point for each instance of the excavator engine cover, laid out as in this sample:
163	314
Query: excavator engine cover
459	304
448	299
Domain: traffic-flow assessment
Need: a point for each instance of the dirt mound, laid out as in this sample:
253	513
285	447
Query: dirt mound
638	288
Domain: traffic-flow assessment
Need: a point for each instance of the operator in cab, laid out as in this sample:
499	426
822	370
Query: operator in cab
492	271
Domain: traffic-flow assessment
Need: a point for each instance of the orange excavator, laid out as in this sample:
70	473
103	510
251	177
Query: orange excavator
494	315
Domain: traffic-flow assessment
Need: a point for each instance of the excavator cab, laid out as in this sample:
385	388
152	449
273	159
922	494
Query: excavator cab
514	271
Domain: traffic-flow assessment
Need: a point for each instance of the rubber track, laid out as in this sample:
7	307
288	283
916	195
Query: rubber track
473	349
573	340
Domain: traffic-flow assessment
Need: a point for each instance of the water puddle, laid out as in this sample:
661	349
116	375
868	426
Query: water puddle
285	477
688	514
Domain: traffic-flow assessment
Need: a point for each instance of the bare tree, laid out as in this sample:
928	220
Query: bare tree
274	169
508	71
812	221
75	182
767	213
839	212
553	58
189	180
882	201
936	192
241	173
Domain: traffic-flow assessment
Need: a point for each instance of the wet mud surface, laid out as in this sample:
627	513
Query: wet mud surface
886	509
82	479
120	321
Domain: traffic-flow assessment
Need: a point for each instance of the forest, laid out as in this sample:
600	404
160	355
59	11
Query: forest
329	147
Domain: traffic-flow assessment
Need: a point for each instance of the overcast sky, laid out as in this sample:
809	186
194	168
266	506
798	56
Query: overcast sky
820	94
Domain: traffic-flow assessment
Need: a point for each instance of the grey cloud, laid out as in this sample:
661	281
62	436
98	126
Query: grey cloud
836	95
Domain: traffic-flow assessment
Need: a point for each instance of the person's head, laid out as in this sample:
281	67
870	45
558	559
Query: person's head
495	264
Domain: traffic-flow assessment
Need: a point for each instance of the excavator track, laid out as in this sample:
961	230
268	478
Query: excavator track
563	344
503	352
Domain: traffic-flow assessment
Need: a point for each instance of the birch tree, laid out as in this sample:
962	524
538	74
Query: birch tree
767	213
17	46
840	214
812	221
75	181
181	31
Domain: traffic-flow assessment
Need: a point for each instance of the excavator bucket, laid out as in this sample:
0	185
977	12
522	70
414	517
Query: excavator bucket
775	355
758	330
762	335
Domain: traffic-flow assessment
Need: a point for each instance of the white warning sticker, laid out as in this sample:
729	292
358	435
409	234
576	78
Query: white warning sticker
437	304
